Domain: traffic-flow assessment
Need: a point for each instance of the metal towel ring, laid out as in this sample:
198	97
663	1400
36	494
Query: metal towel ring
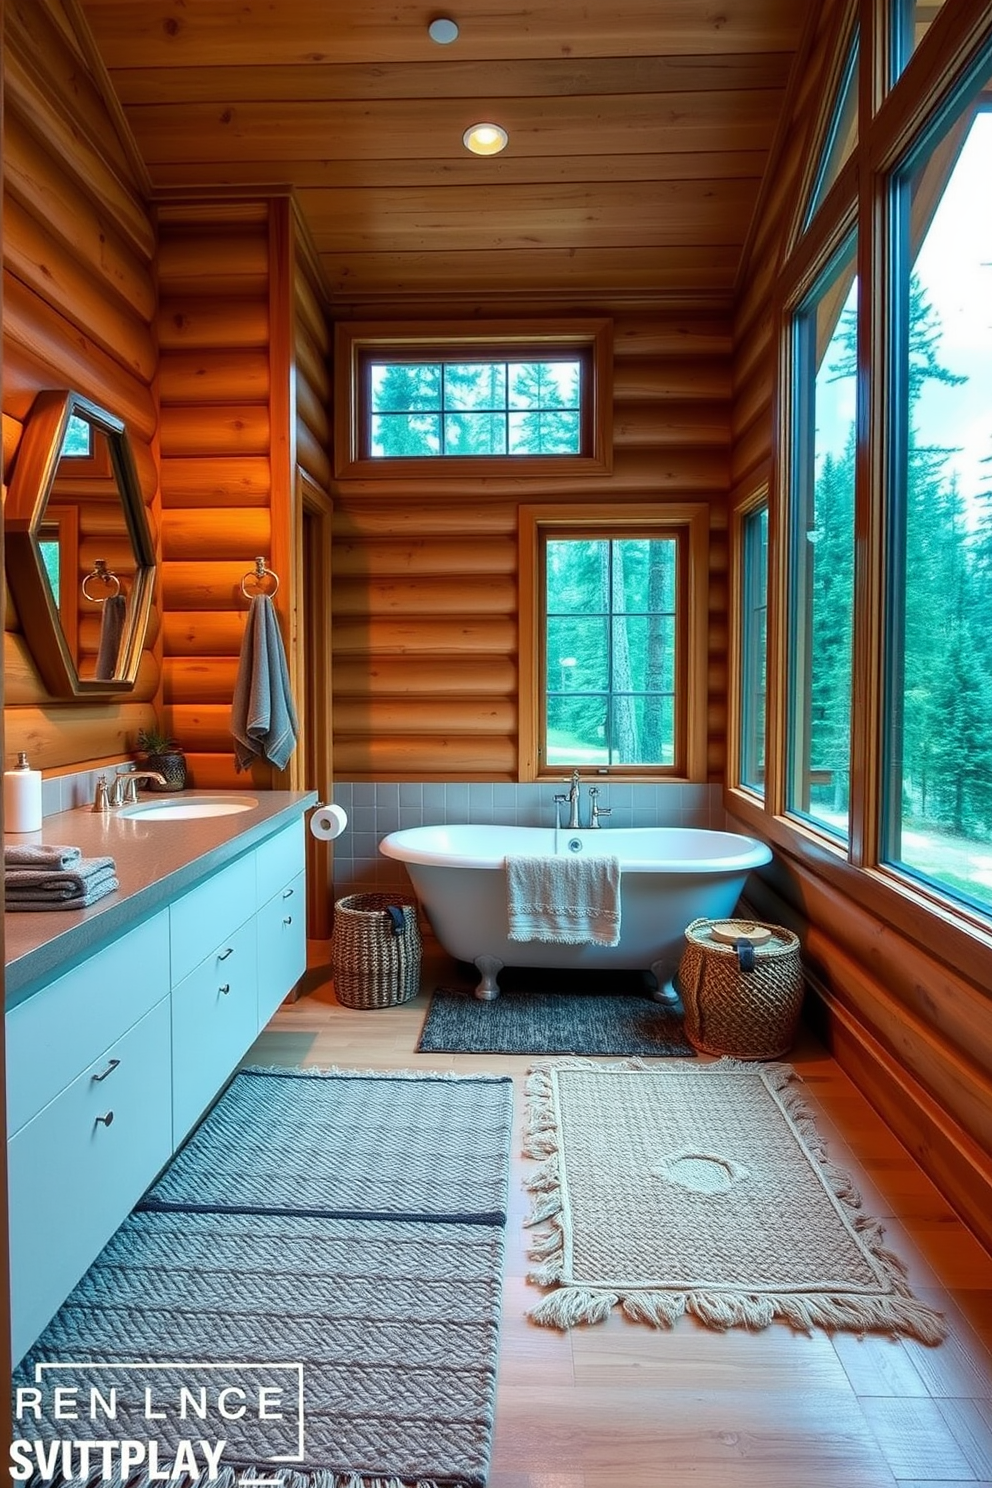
101	571
257	574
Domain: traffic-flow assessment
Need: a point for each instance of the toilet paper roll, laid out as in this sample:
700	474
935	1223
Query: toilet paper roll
328	822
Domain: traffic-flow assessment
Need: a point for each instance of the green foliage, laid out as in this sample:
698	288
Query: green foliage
610	649
154	741
485	408
941	734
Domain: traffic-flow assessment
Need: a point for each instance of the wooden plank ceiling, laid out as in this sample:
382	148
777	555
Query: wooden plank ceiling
639	131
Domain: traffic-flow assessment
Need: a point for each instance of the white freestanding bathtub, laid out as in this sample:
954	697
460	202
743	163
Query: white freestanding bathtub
669	877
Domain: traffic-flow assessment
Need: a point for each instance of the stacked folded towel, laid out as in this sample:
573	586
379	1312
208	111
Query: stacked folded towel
39	876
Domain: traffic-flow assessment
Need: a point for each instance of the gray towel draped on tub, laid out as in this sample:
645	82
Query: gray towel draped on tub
569	901
263	715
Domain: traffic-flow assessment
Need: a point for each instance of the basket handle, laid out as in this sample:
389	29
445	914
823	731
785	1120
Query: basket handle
745	953
396	915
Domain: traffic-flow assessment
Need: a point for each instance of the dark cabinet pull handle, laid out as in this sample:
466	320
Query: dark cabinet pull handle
287	919
287	894
108	1071
107	1120
224	954
225	989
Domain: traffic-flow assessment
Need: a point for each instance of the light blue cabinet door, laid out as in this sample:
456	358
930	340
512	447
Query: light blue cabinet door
214	1020
61	1029
282	946
77	1169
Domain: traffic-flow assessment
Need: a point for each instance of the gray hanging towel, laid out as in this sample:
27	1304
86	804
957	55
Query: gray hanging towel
111	631
263	715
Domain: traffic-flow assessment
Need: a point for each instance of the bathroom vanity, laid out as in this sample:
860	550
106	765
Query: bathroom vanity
124	1021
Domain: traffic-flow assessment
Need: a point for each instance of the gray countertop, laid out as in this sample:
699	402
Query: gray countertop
156	860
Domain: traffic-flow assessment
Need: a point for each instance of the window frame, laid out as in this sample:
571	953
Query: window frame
742	656
799	496
689	522
357	344
894	123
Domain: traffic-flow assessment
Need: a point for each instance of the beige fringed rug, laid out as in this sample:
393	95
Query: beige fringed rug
701	1189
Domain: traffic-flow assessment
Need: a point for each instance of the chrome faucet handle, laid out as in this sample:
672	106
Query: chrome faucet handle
561	800
130	790
101	799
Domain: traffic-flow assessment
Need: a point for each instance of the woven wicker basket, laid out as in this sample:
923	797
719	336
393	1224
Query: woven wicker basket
750	1014
375	950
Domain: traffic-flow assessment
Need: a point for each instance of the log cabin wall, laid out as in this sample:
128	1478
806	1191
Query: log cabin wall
243	384
425	571
79	311
910	1021
215	384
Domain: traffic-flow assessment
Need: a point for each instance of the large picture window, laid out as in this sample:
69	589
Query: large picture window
938	810
822	550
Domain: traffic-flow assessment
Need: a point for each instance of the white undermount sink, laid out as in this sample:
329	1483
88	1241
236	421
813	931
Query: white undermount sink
182	808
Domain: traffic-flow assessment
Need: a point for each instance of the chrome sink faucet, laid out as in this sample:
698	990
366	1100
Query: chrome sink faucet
123	789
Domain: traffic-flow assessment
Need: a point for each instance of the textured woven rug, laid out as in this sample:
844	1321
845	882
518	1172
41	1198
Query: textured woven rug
334	1239
565	1022
702	1189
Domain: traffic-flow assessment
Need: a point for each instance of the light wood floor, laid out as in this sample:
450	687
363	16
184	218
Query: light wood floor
621	1405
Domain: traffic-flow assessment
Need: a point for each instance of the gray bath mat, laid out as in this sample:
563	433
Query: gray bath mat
553	1023
334	1239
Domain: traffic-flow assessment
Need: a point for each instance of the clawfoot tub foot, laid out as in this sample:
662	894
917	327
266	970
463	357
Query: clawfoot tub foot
489	968
664	974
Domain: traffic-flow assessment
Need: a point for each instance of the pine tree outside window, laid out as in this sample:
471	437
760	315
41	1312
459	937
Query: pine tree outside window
822	557
475	408
613	662
753	647
937	811
473	398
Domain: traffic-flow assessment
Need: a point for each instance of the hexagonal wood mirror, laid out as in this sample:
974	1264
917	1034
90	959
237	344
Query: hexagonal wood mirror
80	557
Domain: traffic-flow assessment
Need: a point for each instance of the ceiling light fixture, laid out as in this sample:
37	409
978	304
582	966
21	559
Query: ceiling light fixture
485	139
443	30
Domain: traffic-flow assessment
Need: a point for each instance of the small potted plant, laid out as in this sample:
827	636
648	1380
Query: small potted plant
162	753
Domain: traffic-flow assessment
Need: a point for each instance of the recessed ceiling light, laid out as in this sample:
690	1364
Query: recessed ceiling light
443	30
485	139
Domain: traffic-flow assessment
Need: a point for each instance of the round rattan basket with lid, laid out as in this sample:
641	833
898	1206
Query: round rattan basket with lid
375	950
741	985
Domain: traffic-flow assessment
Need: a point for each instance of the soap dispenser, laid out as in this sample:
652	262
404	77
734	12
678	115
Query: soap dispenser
22	797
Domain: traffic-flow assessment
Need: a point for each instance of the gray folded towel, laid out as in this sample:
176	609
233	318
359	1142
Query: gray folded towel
263	716
97	888
111	630
40	855
58	887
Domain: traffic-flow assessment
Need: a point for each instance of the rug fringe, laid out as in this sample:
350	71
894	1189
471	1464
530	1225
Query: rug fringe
897	1313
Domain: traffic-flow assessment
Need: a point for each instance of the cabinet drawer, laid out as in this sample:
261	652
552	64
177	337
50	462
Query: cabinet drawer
62	1028
210	911
282	946
279	860
214	1020
73	1178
